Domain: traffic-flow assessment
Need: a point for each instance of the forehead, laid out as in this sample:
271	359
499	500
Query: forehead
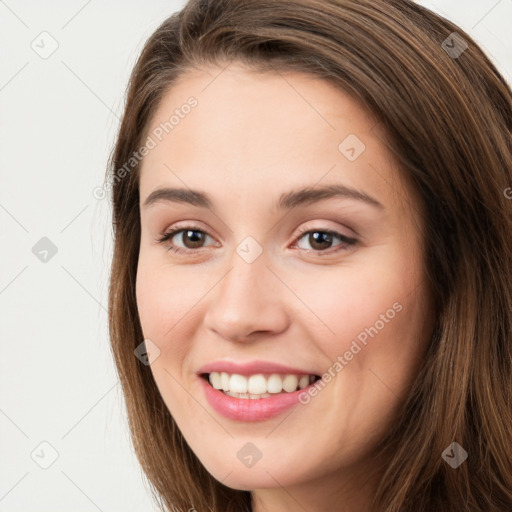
257	132
262	103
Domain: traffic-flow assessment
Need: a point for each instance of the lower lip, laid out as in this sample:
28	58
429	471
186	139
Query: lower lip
248	409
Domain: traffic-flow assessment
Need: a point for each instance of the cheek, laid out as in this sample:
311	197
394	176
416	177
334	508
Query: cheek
373	316
355	302
380	335
165	298
166	310
168	302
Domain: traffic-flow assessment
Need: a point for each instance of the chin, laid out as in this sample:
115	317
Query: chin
245	480
262	475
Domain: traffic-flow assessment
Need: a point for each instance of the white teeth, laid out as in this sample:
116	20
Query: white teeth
290	383
238	383
247	395
274	384
215	380
225	381
303	381
258	385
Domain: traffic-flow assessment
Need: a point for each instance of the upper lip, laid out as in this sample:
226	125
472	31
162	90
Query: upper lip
251	368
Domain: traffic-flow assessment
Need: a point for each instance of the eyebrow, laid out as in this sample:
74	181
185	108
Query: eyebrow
287	200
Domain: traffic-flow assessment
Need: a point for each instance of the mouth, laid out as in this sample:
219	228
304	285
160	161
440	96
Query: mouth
259	385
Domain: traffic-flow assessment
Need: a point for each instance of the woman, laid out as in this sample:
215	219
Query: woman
311	293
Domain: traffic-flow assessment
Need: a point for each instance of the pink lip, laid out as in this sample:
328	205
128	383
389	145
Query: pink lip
251	368
247	409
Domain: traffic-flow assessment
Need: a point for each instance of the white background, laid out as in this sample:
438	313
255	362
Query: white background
58	119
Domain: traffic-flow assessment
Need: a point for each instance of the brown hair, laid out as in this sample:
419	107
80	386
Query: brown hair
449	122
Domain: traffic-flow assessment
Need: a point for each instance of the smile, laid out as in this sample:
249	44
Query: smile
258	385
254	397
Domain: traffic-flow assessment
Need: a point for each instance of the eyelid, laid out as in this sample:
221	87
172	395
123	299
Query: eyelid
306	229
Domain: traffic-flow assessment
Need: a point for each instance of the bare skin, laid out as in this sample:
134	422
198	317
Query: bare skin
302	302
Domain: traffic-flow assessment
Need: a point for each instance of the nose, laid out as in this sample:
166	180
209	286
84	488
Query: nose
248	303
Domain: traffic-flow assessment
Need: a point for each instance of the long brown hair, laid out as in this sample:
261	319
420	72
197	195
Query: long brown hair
448	117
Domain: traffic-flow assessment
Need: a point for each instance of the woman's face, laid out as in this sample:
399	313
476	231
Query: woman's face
278	264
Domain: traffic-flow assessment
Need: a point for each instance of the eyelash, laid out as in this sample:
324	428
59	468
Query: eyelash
346	241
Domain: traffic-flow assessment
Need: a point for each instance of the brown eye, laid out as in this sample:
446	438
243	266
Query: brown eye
321	240
191	238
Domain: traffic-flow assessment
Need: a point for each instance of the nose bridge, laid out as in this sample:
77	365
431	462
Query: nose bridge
248	264
246	300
